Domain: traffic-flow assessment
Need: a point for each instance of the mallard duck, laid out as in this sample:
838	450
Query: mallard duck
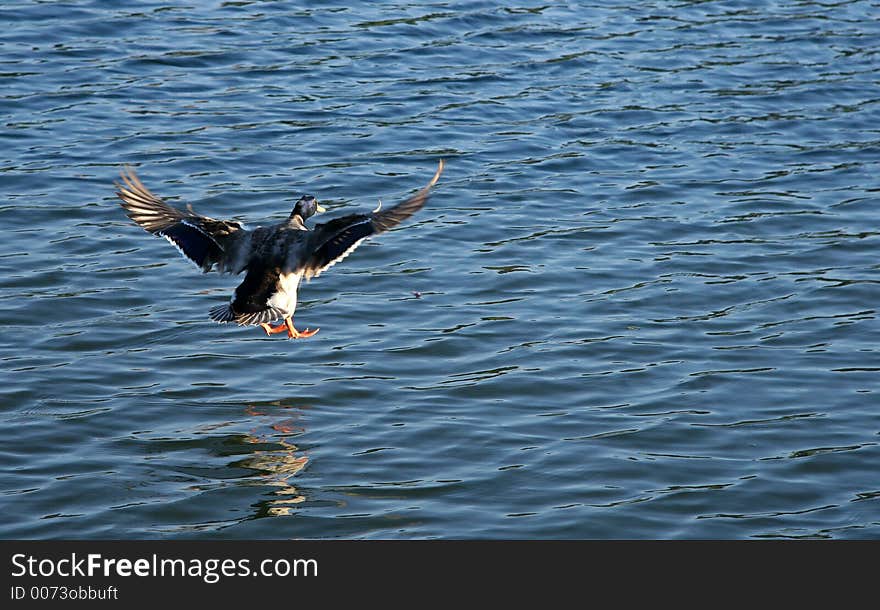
276	257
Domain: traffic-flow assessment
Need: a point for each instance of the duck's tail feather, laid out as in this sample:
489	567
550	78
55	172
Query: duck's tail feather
222	313
225	313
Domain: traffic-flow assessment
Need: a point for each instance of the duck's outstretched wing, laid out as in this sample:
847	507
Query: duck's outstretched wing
332	241
252	303
202	240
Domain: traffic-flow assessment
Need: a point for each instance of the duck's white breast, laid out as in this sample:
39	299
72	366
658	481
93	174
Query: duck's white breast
285	297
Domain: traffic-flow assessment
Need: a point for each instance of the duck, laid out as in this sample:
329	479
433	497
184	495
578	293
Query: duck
275	259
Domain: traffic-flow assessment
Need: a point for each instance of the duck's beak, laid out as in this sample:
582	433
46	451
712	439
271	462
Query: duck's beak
319	208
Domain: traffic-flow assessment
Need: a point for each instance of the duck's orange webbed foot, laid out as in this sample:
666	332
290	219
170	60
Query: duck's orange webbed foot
271	330
292	333
287	327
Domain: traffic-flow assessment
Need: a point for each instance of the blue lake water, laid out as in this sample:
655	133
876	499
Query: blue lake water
649	276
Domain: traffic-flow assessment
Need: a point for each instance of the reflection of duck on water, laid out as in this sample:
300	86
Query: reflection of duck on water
277	466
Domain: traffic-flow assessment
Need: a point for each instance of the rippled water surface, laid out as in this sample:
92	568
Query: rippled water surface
648	277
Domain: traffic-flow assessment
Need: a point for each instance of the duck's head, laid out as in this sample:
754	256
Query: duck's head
306	207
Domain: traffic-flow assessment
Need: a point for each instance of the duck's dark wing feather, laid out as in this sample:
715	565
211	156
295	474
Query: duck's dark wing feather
332	241
250	305
202	240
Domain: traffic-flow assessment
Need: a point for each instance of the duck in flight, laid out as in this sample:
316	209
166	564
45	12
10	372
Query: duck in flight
275	258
